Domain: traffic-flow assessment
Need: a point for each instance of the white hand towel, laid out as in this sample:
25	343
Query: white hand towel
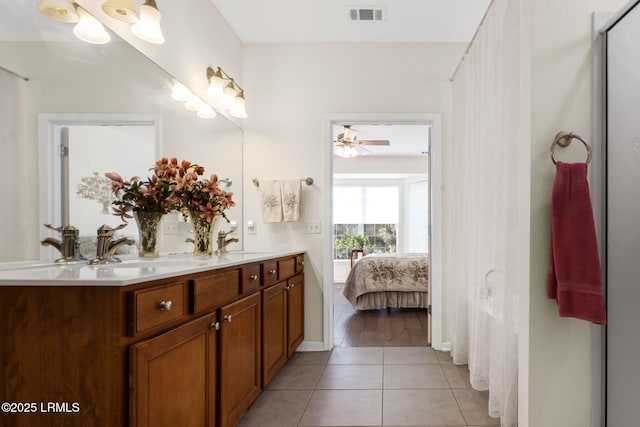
291	199
271	201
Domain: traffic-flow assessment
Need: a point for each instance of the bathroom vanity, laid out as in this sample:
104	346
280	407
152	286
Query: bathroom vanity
174	341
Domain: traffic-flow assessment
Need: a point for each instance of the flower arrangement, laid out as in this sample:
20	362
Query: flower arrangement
153	195
202	198
174	185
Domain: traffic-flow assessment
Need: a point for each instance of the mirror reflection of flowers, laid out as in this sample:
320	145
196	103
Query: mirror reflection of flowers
200	197
153	194
96	188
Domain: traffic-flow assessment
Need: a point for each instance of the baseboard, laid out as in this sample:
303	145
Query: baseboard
311	346
445	346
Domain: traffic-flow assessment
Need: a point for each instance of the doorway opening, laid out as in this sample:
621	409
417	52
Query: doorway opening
387	195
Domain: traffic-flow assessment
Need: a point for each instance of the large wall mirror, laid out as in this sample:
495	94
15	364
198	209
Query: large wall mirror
114	106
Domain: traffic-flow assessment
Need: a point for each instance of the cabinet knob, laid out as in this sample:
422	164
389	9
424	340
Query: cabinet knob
165	305
215	326
301	263
272	272
253	277
293	285
227	318
286	288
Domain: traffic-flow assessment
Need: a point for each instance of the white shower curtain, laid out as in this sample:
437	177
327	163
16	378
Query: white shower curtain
12	194
484	233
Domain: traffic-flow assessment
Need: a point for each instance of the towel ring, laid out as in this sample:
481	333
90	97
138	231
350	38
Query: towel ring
563	139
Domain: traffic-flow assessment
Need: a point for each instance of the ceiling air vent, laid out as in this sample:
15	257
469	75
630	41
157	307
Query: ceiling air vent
366	14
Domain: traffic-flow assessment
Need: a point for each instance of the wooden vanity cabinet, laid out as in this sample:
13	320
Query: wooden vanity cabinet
240	356
180	351
173	377
282	324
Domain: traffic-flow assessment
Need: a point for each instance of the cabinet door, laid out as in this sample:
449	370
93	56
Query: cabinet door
295	313
173	377
239	357
274	331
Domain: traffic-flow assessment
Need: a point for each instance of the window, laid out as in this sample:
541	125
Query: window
371	211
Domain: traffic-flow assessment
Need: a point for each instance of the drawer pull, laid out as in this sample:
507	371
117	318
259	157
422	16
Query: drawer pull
227	318
215	326
272	272
253	277
165	305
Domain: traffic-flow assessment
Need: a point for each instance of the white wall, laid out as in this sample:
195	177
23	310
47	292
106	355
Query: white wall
559	373
291	88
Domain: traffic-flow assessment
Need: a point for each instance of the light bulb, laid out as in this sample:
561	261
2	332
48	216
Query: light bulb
193	103
89	29
179	92
206	111
215	88
148	27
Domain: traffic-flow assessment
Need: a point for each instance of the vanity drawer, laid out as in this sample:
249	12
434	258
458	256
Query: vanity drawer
155	306
269	273
299	263
212	291
286	268
250	278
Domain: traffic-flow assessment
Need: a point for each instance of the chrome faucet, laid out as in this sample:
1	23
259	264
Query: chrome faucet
106	246
223	242
68	246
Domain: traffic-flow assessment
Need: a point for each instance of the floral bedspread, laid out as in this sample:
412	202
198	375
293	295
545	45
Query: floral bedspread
387	272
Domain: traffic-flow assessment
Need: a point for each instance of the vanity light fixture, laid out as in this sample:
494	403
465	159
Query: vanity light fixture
148	26
226	93
122	10
58	12
88	28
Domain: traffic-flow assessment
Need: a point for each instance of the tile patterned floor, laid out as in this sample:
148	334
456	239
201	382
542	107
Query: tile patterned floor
370	386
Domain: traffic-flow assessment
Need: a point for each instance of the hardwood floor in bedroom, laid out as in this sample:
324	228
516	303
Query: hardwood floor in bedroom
377	328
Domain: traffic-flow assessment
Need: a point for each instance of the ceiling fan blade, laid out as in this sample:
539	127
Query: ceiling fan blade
362	150
373	142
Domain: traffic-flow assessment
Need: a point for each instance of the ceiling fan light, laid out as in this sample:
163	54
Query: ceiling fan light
148	26
349	134
89	29
122	10
58	12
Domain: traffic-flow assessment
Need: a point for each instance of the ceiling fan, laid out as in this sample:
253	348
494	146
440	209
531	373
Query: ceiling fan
347	144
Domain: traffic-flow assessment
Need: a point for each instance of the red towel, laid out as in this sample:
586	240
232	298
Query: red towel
575	279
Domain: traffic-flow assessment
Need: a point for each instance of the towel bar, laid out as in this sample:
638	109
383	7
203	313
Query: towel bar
308	180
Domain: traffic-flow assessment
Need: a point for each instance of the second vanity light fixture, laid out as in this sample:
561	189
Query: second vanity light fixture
226	93
146	24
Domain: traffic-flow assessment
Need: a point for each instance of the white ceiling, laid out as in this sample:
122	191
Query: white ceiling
327	21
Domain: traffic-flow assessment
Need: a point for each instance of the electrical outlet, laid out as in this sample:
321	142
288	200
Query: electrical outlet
171	226
312	227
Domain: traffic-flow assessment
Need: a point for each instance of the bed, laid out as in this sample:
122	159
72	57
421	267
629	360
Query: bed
379	281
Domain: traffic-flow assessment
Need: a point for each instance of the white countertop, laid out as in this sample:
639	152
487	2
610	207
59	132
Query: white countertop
128	272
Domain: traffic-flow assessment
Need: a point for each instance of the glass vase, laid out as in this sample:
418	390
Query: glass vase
202	235
148	223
